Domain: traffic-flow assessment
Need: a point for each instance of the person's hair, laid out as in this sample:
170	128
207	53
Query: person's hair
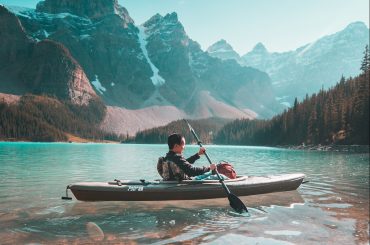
174	139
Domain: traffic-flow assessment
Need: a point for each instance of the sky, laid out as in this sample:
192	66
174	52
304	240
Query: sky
281	25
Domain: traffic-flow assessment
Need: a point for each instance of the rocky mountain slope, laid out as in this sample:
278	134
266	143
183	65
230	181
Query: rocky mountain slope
187	71
79	49
138	66
224	51
307	69
44	67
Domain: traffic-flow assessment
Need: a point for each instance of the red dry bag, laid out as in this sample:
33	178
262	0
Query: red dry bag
226	169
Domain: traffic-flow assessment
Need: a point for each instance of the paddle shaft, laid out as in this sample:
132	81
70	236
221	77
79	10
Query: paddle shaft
235	202
209	160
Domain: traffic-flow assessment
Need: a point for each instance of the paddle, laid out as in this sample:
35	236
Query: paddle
235	202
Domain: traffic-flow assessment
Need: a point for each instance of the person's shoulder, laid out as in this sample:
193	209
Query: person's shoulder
177	155
172	154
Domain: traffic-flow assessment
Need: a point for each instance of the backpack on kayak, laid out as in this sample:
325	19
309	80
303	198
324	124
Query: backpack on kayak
170	171
226	169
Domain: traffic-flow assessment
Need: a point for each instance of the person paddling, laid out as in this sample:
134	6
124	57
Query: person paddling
175	167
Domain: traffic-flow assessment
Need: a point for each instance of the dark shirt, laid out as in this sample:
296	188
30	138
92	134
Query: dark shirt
185	164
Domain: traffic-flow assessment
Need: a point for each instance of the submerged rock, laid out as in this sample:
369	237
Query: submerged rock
94	231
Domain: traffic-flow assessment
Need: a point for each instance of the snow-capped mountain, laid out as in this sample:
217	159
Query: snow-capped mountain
79	49
313	66
257	57
139	66
190	72
105	44
223	50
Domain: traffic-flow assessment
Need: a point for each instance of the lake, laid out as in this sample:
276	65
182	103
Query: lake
332	208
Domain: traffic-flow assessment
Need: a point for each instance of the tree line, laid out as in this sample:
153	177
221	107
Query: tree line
205	129
45	118
339	115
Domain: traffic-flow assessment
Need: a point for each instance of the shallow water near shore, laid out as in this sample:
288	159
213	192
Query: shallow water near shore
332	208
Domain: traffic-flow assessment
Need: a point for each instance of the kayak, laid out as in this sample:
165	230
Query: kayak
142	190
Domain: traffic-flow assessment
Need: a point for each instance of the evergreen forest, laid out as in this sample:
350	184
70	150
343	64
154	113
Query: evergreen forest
46	119
205	129
339	115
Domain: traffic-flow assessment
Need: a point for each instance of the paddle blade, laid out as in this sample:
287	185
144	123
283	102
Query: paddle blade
237	204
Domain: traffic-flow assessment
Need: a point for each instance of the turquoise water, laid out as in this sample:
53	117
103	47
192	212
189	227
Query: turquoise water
333	208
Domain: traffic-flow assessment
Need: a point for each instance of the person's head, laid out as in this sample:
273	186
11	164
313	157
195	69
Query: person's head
176	143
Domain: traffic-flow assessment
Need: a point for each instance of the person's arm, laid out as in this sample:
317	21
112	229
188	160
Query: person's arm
196	156
193	158
188	169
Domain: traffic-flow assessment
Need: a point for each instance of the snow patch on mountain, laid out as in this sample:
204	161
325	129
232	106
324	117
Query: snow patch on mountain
30	13
224	51
306	48
98	86
46	34
221	50
281	98
157	80
85	36
20	11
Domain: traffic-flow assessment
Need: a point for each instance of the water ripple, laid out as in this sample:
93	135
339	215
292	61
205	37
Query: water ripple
331	209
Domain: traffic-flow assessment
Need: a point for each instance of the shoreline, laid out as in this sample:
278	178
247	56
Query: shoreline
71	139
64	142
319	147
331	148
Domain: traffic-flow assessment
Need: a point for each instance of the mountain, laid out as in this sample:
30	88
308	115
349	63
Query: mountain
44	67
79	49
307	69
224	51
257	57
85	8
103	42
188	72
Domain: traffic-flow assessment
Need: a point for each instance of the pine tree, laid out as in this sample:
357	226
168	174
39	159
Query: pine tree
365	65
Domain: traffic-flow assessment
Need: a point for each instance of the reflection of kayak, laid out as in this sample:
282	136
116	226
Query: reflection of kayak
281	199
127	190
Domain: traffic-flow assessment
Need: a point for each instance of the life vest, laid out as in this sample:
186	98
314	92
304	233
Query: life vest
168	170
226	169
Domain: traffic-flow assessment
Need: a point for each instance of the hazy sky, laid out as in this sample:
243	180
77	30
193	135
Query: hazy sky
281	25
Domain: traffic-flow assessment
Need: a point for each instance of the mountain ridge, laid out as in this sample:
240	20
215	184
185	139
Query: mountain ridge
39	67
168	50
305	70
155	65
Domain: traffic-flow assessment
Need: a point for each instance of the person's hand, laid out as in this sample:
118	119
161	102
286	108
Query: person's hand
202	150
212	166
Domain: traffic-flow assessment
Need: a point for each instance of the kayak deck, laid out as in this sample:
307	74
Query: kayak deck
126	190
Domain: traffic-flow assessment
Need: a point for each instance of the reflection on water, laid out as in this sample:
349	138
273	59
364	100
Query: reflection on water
142	222
333	208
